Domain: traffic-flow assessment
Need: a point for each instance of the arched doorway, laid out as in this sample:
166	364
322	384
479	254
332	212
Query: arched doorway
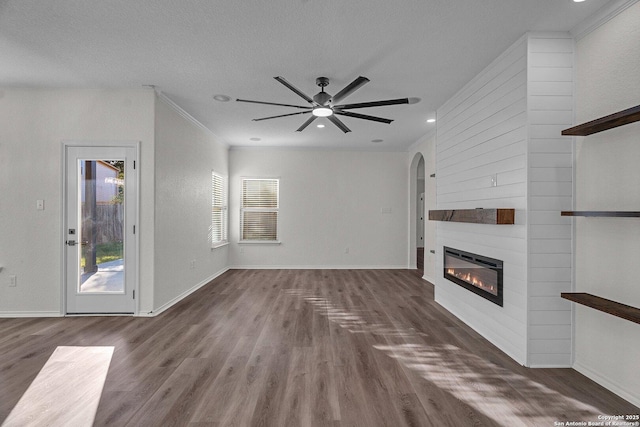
417	213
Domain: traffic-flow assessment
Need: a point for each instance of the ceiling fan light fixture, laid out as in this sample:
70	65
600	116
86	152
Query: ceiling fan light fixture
322	112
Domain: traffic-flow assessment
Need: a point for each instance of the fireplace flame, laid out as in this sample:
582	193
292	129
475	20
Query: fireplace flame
469	278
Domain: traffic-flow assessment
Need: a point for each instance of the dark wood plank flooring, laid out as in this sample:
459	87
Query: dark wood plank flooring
304	348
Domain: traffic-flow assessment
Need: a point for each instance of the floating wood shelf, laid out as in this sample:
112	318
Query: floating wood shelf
618	214
475	216
620	118
606	305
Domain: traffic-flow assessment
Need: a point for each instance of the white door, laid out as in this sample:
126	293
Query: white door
99	229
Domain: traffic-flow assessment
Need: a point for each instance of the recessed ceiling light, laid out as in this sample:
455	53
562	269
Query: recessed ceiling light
222	98
431	120
320	125
255	139
375	141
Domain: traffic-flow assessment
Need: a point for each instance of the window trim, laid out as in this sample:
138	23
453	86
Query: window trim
224	208
242	210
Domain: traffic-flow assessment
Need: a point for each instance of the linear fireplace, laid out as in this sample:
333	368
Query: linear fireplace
479	274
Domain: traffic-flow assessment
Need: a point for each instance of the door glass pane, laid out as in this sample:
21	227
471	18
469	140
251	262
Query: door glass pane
101	226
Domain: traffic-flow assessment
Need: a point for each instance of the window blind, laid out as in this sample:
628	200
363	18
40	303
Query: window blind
259	209
218	209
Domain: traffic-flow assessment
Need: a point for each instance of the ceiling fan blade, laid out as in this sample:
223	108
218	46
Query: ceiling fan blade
307	123
363	116
282	115
294	89
373	104
349	89
272	103
333	119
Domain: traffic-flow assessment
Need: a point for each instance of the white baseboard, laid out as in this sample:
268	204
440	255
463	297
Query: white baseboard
30	314
550	366
429	279
318	267
634	399
182	296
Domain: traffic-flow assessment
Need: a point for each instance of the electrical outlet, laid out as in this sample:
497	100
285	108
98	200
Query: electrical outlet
40	205
494	180
12	281
192	264
346	250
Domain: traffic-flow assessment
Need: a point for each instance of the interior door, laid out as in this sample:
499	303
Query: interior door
99	230
420	225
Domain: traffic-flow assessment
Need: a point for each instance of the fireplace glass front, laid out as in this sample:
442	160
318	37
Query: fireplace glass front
479	274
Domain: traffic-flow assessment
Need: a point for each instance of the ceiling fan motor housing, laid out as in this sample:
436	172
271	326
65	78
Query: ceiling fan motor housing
322	98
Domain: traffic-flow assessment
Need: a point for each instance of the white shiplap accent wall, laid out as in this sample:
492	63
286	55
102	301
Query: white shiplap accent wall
482	131
506	123
550	109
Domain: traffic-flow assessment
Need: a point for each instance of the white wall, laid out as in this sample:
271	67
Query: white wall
33	124
607	348
186	153
482	131
550	190
506	123
329	201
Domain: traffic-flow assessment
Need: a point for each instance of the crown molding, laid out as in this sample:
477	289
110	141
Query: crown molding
602	16
178	109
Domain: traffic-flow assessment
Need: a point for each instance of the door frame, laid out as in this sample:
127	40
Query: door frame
63	218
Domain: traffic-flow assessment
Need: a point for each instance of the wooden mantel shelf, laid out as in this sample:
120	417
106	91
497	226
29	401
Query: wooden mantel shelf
620	118
615	214
475	216
606	305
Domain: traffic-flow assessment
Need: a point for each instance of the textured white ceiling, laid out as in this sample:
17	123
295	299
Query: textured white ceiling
193	49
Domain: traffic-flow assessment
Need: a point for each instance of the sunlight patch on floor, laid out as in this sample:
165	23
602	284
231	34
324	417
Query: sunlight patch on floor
472	379
66	391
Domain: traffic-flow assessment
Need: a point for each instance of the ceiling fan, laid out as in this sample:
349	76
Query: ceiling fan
324	105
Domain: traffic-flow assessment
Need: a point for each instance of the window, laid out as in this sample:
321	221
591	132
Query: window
218	210
259	210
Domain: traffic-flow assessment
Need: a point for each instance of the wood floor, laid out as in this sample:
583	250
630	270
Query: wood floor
304	348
